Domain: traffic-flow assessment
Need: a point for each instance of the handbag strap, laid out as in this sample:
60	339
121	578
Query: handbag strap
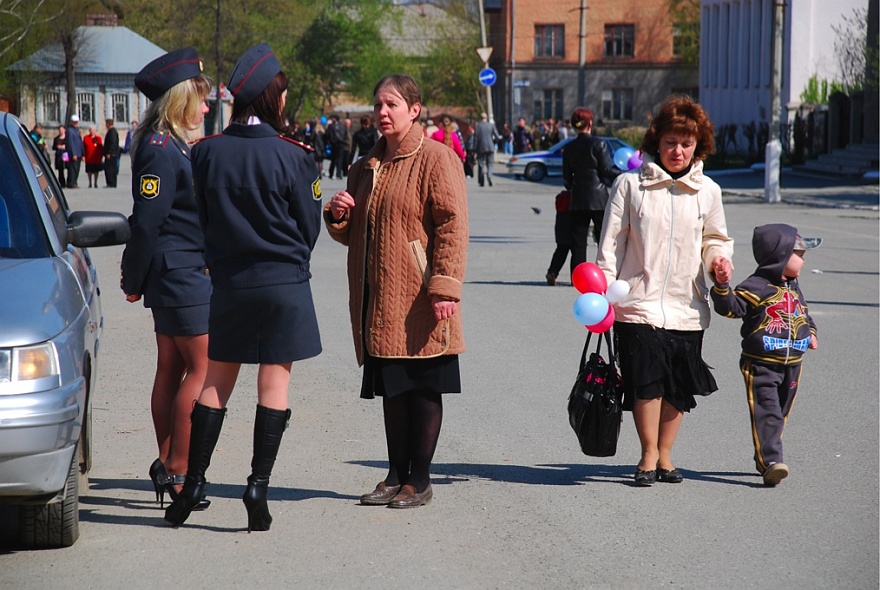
612	357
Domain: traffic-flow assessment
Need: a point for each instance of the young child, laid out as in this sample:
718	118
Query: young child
777	330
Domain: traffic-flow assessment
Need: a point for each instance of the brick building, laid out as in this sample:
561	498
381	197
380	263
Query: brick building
630	54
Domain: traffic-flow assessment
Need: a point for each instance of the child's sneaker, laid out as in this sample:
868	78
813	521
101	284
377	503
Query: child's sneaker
551	279
775	473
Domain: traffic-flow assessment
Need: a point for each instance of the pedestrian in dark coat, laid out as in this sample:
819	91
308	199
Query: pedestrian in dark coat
76	151
588	172
111	154
164	261
259	198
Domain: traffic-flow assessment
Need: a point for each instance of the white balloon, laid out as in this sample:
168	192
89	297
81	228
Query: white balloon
617	291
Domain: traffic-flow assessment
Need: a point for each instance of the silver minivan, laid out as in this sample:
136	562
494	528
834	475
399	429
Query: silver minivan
50	336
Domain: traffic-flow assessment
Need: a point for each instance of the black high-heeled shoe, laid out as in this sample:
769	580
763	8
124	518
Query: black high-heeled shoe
159	477
162	482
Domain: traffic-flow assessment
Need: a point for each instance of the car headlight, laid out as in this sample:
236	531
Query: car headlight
514	159
27	363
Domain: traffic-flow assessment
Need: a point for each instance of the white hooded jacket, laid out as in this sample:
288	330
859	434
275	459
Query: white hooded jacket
660	235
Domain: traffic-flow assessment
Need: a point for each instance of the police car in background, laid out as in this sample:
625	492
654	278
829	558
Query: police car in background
535	166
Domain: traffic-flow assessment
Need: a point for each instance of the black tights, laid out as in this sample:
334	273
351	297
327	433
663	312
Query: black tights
412	427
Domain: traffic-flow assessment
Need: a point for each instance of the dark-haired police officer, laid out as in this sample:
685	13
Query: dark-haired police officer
259	197
164	261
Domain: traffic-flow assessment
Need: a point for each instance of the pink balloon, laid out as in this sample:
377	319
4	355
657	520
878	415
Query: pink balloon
635	160
605	324
587	277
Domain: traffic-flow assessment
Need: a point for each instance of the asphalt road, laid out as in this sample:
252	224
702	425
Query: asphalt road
516	503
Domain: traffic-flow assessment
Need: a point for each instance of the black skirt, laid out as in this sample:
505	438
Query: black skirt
273	324
390	377
662	363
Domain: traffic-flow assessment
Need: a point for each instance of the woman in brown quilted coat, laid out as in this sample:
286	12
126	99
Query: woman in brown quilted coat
403	217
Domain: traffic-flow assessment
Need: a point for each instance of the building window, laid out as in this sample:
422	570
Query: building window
617	104
549	105
51	107
686	39
550	41
85	104
619	40
120	107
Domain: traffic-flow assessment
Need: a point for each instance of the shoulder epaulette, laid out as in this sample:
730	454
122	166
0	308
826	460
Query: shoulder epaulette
204	138
160	139
304	146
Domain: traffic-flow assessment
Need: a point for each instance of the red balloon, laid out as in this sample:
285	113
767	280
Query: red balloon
605	324
587	277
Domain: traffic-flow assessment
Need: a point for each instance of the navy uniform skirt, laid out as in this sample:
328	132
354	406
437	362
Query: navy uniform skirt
191	320
272	324
662	363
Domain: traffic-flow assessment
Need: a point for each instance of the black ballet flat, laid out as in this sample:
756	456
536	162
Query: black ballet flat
645	478
669	475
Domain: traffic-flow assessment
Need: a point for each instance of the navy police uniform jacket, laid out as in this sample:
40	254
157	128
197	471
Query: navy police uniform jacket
259	198
164	260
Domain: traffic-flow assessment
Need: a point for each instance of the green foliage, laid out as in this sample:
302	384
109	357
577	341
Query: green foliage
343	50
685	18
632	135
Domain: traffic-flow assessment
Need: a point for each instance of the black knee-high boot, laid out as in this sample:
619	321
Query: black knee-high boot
206	425
269	426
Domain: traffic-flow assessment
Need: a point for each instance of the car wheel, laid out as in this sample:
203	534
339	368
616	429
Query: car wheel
56	524
535	172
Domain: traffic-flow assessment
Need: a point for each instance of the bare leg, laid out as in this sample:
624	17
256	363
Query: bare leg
194	352
219	383
272	383
646	414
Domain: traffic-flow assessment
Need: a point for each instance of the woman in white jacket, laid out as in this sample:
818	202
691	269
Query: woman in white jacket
664	227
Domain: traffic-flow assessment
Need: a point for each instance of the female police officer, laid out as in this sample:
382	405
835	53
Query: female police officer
164	260
259	199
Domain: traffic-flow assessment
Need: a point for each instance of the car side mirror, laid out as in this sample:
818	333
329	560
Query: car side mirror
91	229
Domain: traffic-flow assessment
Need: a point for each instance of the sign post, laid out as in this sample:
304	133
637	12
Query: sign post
485	53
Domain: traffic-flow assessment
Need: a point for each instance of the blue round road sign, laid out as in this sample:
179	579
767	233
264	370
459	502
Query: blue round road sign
487	76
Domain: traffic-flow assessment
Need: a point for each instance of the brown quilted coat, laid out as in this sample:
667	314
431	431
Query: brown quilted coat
416	209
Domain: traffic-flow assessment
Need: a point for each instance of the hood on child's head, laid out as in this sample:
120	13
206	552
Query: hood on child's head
772	245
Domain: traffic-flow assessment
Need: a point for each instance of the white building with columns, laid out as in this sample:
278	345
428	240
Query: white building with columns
736	54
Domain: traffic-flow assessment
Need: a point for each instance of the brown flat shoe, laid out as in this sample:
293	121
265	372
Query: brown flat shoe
408	498
381	495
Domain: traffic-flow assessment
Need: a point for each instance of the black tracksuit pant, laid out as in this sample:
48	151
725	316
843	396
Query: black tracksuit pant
770	390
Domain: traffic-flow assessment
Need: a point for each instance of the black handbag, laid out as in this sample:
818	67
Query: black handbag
595	405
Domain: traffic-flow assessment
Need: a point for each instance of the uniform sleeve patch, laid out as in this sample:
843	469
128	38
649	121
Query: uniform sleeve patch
149	186
316	189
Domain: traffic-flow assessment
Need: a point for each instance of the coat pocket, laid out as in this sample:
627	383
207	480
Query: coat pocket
421	260
183	259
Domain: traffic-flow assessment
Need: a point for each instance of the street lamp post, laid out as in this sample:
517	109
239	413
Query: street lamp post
773	151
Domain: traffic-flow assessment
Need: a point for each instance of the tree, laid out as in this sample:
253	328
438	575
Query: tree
343	51
19	18
853	51
450	71
685	18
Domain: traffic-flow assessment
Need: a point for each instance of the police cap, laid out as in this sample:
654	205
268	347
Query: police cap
252	73
164	72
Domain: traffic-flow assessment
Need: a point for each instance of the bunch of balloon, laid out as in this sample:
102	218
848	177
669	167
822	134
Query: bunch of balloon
594	307
626	158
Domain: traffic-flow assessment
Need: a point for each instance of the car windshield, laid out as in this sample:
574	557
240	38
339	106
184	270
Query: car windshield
21	230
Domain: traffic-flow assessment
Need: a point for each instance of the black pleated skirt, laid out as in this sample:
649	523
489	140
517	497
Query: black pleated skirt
662	363
390	377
